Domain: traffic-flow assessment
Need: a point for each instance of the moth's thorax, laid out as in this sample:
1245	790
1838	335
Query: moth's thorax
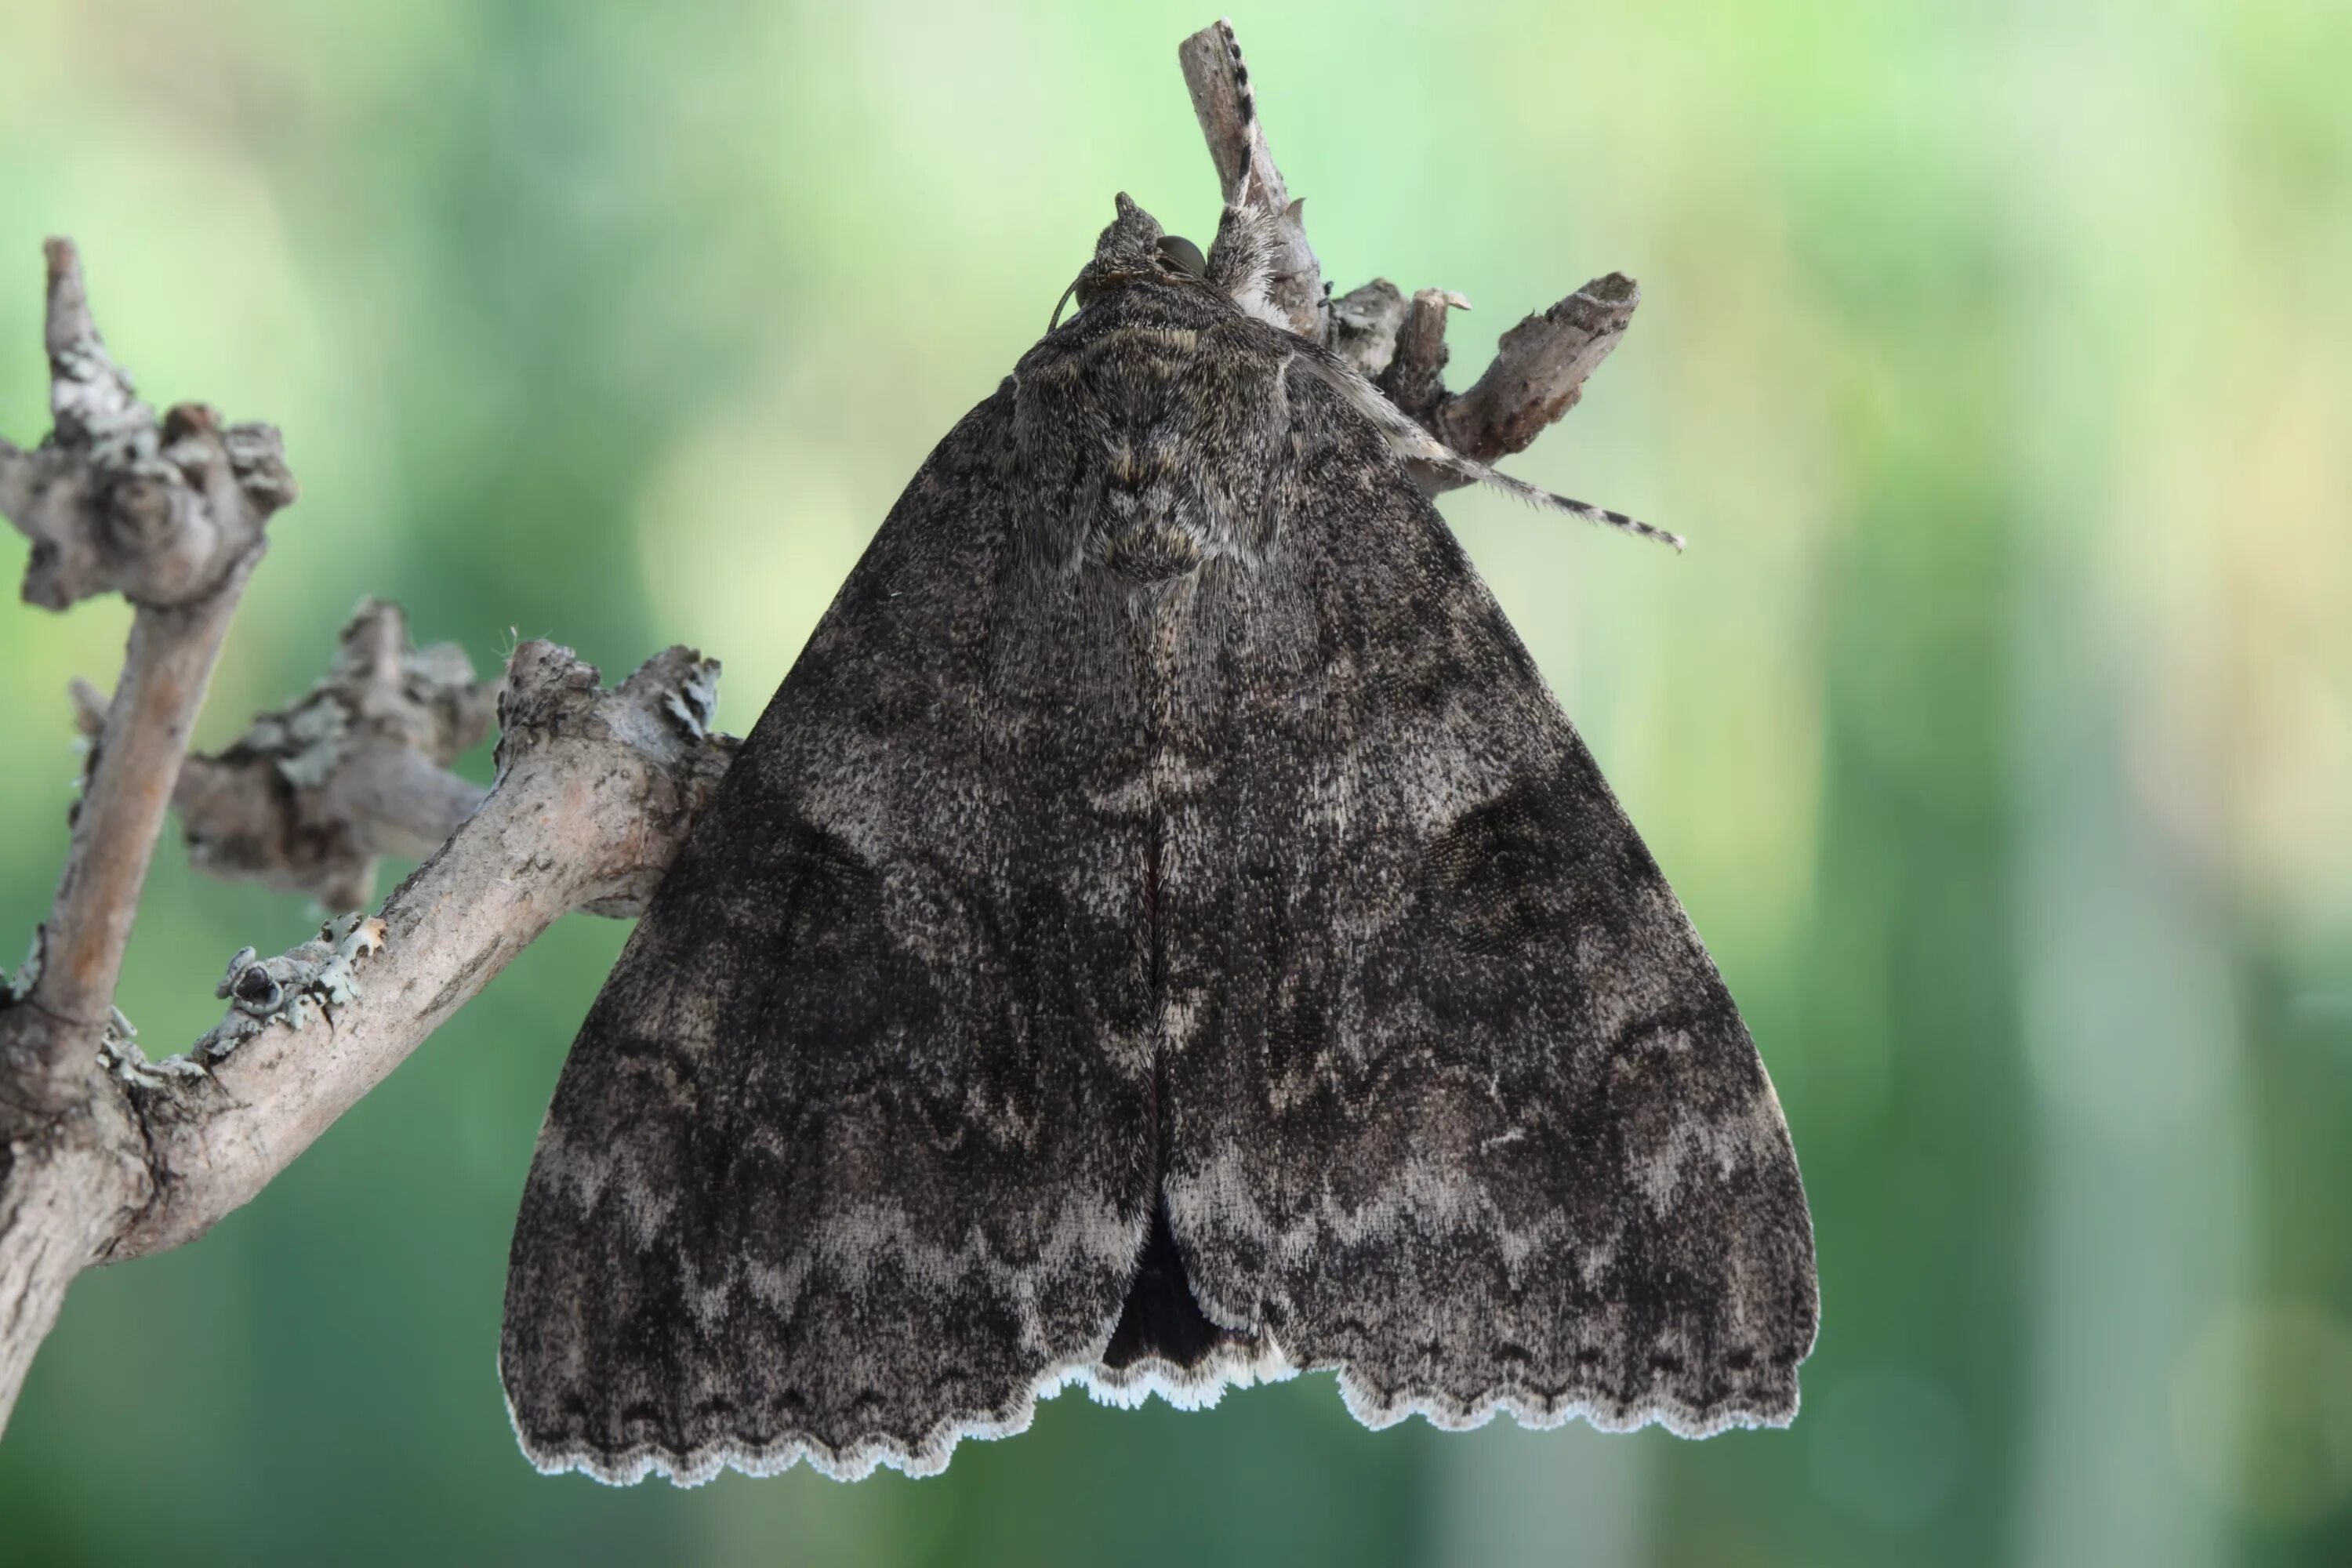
1144	427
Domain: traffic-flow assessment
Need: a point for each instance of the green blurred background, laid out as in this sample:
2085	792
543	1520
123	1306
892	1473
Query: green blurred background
1997	728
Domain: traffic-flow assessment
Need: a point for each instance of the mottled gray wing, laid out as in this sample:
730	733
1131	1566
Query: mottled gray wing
1455	1102
842	1165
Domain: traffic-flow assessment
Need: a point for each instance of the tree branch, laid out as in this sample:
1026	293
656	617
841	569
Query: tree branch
1227	110
595	791
1540	367
104	1155
1538	371
1415	377
114	502
310	795
169	515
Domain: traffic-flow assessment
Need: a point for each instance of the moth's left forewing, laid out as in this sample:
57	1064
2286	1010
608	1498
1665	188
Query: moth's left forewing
1455	1100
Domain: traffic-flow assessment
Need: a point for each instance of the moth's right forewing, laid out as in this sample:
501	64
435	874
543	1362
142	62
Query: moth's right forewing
838	1168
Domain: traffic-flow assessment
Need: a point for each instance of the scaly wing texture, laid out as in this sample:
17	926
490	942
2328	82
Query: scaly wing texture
1455	1102
846	1163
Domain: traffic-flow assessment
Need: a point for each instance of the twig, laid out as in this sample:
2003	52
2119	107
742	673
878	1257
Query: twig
1538	371
1540	367
595	791
172	518
114	502
310	795
1226	107
1415	378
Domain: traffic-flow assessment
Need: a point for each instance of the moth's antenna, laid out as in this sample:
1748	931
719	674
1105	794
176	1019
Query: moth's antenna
1471	472
1407	440
1059	303
1548	501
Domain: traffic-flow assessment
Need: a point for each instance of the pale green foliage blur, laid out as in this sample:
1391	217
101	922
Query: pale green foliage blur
1997	728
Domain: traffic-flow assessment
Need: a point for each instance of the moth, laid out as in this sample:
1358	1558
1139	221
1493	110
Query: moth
1162	935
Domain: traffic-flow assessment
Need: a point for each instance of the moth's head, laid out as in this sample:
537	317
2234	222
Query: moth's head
1134	249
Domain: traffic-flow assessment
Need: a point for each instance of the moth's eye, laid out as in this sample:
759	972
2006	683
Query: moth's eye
1182	253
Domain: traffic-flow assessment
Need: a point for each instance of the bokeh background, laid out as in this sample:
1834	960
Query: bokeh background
1997	728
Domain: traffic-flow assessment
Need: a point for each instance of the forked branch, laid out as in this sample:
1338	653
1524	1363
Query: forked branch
105	1154
1540	367
170	515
